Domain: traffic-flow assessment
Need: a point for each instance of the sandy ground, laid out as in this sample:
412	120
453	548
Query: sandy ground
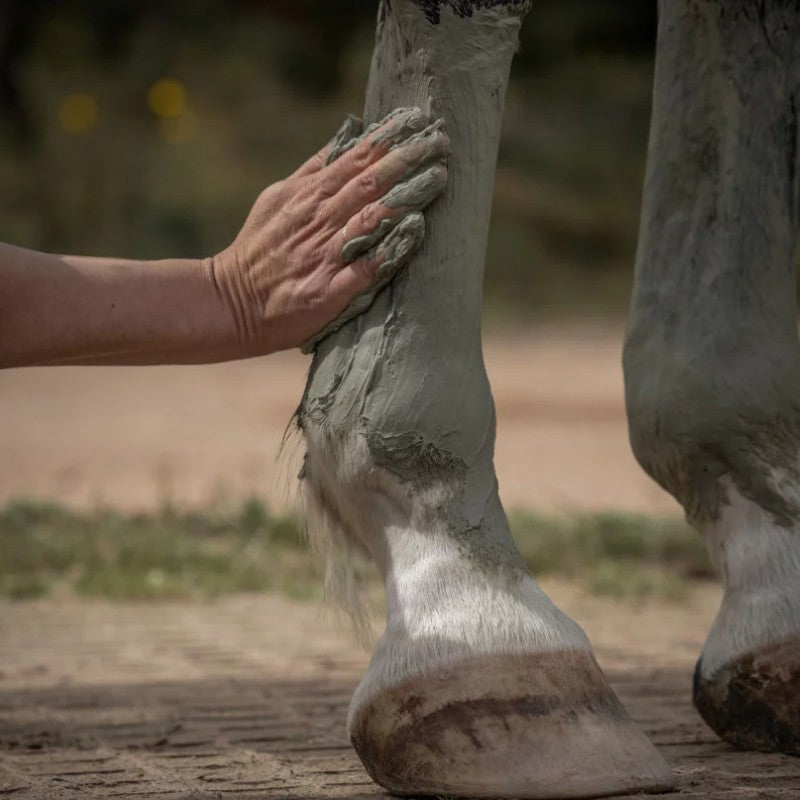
136	437
247	697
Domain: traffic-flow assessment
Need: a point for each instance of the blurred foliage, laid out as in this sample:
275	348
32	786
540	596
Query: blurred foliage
165	555
622	555
217	551
90	162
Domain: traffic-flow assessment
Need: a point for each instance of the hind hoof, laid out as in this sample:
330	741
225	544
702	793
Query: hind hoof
753	702
523	726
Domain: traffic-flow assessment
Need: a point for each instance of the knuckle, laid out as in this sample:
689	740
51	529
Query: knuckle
441	144
292	190
362	153
271	194
326	192
318	161
325	189
368	183
369	217
274	189
291	220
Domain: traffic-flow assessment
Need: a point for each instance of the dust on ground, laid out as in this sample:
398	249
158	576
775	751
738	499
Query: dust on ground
134	437
247	697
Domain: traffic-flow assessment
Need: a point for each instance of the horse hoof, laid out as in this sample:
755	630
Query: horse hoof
525	726
753	702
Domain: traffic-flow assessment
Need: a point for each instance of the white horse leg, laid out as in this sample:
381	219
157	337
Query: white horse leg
712	360
479	686
747	681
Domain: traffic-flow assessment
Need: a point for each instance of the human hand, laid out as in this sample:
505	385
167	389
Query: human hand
317	246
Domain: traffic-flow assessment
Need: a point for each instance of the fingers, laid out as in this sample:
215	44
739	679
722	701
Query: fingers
349	130
394	128
394	251
366	228
348	159
376	186
417	164
360	281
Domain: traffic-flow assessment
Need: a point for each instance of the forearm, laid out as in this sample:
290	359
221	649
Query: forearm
80	310
282	280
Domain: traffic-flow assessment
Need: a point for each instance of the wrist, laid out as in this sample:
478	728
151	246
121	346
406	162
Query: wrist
238	302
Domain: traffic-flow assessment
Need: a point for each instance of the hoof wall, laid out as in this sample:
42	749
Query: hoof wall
532	726
753	703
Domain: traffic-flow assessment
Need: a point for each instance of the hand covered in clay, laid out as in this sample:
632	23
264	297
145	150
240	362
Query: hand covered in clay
317	246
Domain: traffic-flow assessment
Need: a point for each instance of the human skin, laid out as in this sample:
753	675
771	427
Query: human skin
282	280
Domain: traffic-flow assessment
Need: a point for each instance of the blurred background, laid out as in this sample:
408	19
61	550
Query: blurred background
154	583
146	129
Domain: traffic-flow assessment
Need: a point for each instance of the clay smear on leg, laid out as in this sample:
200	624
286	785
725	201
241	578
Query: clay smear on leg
399	426
394	240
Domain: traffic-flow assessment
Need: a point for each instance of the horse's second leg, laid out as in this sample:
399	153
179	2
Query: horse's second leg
712	362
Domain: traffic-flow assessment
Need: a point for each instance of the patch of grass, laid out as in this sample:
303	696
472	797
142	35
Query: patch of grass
616	554
22	587
172	554
164	555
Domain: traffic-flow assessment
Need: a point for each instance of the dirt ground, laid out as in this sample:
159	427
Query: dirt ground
135	437
246	697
